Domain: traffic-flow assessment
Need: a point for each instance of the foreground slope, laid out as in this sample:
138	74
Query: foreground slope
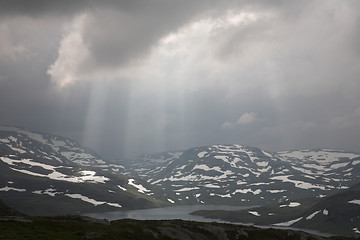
338	214
46	174
86	228
236	174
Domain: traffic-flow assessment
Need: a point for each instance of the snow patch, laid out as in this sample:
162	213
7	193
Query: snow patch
291	204
338	165
276	191
288	223
16	149
267	154
114	205
298	184
186	189
255	213
326	212
202	154
244	191
92	201
122	188
4	140
6	189
211	186
51	192
85	199
219	195
262	164
312	215
355	201
140	187
87	176
294	204
355	162
206	168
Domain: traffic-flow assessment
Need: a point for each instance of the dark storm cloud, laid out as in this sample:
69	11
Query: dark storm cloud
37	8
119	36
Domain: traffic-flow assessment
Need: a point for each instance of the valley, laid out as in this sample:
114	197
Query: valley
47	175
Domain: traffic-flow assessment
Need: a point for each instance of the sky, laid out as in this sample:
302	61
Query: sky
130	77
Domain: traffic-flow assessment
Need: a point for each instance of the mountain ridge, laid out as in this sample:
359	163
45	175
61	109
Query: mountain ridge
233	173
45	174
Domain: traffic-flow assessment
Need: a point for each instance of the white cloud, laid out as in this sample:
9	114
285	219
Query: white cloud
227	125
244	119
72	55
247	118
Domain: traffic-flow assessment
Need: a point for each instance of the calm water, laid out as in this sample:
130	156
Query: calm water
182	212
176	212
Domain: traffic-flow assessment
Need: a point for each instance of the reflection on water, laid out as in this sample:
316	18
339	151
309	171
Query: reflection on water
176	212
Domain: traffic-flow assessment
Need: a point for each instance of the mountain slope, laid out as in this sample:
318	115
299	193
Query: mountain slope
338	214
76	227
236	174
47	174
8	211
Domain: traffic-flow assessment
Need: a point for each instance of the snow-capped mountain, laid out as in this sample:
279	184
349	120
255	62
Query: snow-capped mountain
236	174
47	174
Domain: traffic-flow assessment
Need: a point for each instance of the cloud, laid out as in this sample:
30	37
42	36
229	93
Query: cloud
9	49
38	8
72	54
118	35
128	77
245	119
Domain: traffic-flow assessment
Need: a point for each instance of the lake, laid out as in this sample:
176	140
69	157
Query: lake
166	213
183	212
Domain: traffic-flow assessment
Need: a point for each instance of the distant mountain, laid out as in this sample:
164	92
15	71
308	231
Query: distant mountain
43	174
243	175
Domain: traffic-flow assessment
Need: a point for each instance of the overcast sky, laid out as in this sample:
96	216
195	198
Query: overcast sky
142	76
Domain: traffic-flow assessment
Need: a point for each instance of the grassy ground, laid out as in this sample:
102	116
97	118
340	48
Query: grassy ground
76	227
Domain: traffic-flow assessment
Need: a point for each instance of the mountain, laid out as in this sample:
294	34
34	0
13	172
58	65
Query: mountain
8	211
338	214
244	175
44	174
